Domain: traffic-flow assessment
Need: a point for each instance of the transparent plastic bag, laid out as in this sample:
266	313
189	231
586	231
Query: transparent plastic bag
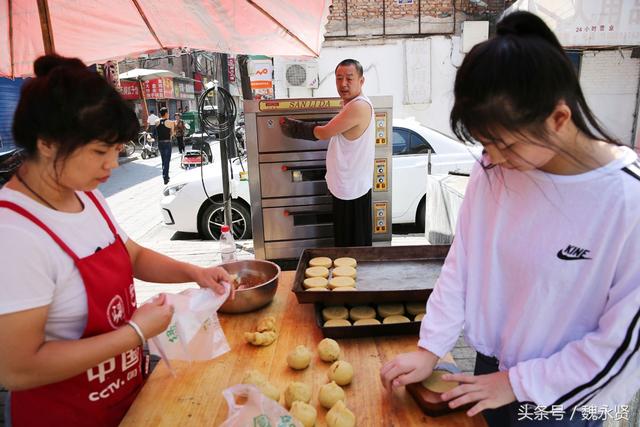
195	332
257	410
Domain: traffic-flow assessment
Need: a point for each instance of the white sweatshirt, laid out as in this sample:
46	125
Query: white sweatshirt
544	274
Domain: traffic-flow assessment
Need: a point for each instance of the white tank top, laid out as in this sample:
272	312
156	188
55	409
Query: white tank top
350	162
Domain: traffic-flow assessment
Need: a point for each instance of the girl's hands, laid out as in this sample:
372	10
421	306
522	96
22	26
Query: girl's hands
153	317
489	391
408	368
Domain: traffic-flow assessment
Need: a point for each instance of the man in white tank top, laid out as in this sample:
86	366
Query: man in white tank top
350	156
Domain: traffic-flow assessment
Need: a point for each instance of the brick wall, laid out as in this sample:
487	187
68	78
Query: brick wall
388	17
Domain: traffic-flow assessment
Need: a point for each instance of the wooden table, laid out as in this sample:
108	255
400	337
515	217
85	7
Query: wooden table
194	397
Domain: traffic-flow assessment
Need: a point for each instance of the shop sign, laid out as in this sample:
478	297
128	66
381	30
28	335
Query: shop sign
129	90
261	73
231	66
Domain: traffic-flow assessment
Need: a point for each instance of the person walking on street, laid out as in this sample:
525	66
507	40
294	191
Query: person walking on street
164	129
179	132
350	156
152	122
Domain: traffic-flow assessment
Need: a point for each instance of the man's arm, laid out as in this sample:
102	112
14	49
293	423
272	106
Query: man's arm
354	114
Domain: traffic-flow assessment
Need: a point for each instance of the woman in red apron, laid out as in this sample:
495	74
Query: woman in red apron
70	333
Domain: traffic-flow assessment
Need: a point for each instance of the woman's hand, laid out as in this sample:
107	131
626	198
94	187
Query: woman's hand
212	278
154	316
408	368
489	391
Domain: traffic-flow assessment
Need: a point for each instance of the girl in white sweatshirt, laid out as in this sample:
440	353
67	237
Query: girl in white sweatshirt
543	275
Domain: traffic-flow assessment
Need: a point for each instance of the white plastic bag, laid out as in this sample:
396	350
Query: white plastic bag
258	410
194	332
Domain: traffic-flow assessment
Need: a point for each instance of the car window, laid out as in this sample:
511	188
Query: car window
419	145
400	141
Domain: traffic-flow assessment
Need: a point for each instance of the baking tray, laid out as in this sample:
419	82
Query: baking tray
362	331
384	274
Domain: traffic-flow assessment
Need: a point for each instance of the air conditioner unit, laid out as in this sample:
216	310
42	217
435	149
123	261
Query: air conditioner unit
303	74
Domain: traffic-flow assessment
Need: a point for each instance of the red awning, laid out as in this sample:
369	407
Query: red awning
96	31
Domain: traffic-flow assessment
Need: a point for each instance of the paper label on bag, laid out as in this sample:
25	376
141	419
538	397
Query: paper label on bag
194	332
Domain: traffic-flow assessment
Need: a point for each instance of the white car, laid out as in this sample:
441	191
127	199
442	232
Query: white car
186	207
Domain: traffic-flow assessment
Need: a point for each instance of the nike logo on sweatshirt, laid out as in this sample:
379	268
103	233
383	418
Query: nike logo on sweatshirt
572	253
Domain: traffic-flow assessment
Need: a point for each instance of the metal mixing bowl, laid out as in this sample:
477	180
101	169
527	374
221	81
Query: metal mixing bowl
257	296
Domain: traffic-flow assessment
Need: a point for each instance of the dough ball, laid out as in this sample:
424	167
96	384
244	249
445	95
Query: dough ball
415	308
321	261
318	289
328	350
297	391
395	309
317	272
315	282
336	322
366	322
341	372
344	271
256	378
345	262
341	282
335	312
304	413
419	317
266	324
436	384
360	312
395	319
329	394
340	416
345	288
299	358
260	338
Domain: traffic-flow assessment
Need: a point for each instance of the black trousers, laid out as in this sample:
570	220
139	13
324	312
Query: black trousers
180	141
352	221
509	415
165	155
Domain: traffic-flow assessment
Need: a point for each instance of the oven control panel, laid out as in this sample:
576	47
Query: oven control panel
380	217
381	129
380	175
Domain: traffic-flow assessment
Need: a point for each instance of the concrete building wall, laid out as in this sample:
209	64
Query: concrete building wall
418	73
609	79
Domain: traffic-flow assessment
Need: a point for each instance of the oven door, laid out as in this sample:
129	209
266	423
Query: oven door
272	140
294	178
298	222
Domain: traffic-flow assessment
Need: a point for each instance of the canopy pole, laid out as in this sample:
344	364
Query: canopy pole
45	26
10	7
144	103
146	22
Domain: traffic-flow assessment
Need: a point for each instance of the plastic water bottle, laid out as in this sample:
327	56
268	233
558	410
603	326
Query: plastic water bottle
227	245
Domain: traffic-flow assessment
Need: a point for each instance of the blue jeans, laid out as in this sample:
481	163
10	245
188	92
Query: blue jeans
165	154
508	415
7	410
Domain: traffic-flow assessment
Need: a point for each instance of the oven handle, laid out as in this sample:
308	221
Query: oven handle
301	213
286	168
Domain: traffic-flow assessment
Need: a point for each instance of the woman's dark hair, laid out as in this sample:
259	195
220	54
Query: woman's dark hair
69	105
514	81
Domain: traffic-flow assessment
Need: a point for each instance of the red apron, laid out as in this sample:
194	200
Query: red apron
102	395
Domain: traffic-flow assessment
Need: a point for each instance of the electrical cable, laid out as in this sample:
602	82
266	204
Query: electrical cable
217	111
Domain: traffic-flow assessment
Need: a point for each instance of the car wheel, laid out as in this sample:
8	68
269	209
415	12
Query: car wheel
213	218
420	217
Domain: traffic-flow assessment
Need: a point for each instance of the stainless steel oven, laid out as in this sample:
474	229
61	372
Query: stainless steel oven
291	207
